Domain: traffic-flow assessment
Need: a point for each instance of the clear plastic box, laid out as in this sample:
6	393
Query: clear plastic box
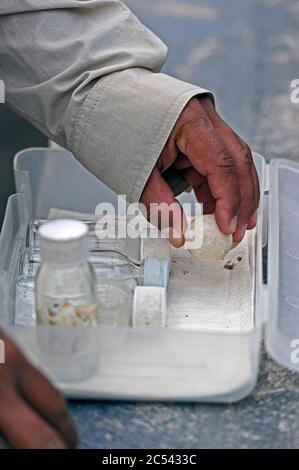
164	364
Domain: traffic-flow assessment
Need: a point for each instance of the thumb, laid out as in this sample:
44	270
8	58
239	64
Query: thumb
163	210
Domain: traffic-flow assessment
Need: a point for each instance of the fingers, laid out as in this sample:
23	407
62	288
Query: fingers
48	402
32	413
22	426
246	172
244	163
201	189
163	210
216	163
209	156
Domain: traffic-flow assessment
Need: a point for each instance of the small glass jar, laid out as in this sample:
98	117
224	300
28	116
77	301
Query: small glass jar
66	301
118	276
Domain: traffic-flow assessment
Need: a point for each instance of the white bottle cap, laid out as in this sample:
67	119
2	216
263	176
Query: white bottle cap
63	241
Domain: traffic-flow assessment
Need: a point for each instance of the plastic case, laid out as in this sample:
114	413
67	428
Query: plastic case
164	364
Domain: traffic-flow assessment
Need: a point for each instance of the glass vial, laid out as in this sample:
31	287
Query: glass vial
66	301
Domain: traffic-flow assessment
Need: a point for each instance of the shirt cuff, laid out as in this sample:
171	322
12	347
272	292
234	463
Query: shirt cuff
124	124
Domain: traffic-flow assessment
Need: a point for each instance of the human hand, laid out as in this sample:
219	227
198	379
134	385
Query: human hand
33	415
218	165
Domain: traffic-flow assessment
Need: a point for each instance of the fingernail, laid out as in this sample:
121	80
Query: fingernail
176	238
233	224
253	220
243	231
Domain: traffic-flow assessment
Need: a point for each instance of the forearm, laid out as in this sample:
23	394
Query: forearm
86	73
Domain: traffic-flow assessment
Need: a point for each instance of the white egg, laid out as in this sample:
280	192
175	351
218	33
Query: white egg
205	241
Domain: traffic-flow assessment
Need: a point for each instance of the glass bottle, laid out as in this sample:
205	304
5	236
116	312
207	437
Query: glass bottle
66	301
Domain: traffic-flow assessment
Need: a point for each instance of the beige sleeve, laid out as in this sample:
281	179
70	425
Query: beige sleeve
87	74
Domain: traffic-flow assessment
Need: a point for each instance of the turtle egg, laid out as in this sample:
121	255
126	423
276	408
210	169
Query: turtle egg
211	244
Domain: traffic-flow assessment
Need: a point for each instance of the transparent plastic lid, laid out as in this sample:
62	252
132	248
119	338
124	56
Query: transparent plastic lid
282	333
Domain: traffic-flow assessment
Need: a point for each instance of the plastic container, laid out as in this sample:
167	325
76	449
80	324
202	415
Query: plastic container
164	364
65	296
119	264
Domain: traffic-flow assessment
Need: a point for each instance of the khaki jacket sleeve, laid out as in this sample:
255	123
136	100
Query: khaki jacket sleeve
87	73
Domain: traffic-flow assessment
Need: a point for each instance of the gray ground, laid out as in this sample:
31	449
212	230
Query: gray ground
247	53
